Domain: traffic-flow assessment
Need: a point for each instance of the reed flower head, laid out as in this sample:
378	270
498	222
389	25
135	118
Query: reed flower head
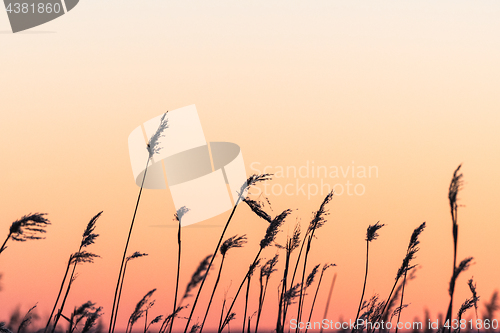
83	257
141	307
198	275
232	242
253	266
29	227
136	254
180	213
252	180
292	293
27	319
256	207
455	186
472	287
326	266
312	275
272	229
371	231
269	267
195	328
462	267
88	235
469	303
153	144
92	318
318	219
411	251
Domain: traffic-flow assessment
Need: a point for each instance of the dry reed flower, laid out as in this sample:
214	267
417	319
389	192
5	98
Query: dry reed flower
153	144
311	276
233	242
319	216
88	235
27	227
198	275
371	231
292	293
83	257
92	318
462	267
272	229
256	207
27	319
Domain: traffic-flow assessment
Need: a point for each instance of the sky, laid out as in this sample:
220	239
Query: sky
406	88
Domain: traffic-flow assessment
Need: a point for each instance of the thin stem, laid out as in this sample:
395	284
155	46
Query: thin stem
210	265
178	272
111	324
401	303
59	313
5	242
119	294
213	292
309	241
364	284
226	319
58	295
315	295
246	303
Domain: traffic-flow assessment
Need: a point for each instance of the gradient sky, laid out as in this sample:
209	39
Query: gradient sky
408	87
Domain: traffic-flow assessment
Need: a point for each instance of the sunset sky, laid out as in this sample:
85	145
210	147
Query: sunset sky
406	88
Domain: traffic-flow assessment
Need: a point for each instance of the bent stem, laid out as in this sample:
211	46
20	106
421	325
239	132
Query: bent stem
113	315
210	265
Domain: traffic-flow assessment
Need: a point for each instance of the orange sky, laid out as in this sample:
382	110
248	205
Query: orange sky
407	87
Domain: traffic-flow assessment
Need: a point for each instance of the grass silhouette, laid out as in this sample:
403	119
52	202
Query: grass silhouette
84	318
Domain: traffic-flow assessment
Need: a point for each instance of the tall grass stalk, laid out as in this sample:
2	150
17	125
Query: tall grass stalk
178	216
309	281
405	266
229	243
317	222
153	148
249	280
265	273
371	235
325	267
88	238
133	256
268	239
455	187
252	180
292	243
26	228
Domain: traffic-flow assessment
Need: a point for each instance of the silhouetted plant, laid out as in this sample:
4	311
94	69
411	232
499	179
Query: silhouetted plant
140	309
231	242
325	267
271	232
317	221
27	319
131	257
371	235
28	227
265	273
178	217
153	148
251	181
81	256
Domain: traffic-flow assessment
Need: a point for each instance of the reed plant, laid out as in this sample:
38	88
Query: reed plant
325	267
131	257
81	256
371	235
231	242
251	181
317	222
265	274
269	237
153	147
28	227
